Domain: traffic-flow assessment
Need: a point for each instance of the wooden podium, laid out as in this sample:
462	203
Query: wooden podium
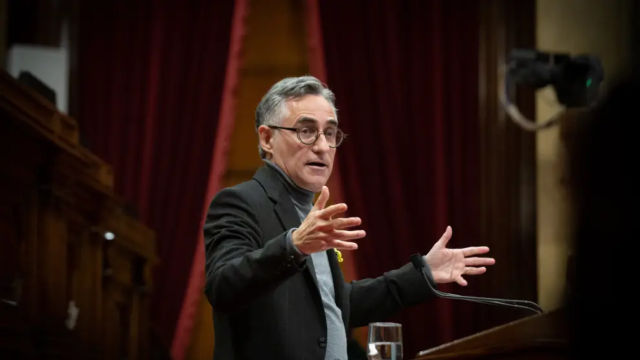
75	267
543	336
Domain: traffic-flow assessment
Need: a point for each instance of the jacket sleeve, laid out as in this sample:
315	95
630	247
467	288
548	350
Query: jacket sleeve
238	267
373	300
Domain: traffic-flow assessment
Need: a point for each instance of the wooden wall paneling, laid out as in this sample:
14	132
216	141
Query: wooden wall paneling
56	203
17	246
129	259
84	265
17	199
508	178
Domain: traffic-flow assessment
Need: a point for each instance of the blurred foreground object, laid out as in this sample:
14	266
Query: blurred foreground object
600	180
576	81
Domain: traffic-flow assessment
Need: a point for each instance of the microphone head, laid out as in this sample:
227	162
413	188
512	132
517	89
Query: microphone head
417	261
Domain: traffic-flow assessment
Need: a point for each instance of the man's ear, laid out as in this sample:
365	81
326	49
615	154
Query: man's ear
265	137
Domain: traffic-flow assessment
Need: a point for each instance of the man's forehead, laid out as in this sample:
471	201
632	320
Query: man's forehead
310	102
311	108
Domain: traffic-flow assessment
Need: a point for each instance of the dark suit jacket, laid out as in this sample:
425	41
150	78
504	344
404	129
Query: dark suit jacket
265	304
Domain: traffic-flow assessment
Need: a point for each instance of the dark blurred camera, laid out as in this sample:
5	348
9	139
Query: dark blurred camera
575	79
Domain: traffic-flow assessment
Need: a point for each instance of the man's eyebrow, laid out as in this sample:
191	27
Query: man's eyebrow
306	119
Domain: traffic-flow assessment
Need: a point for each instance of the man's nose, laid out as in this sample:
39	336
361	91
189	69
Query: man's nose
321	144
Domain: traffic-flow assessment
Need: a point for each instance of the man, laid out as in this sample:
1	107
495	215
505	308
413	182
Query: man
273	278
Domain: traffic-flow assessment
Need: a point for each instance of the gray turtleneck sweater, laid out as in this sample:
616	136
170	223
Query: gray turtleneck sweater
336	336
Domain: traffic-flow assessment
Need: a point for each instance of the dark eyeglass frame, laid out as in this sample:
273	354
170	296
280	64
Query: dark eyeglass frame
298	129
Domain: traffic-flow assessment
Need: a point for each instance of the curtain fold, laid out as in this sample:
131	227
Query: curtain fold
151	78
405	74
218	168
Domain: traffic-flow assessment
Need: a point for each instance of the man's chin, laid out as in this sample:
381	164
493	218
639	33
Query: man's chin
315	185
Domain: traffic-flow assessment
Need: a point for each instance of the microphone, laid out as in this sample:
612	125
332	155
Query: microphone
419	263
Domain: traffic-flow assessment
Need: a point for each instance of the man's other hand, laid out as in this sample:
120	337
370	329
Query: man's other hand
449	265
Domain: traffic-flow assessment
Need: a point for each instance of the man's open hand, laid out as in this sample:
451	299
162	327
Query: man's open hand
449	265
319	231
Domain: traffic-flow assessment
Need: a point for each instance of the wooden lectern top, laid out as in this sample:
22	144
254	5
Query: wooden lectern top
534	337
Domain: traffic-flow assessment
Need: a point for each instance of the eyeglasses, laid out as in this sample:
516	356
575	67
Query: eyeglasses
308	135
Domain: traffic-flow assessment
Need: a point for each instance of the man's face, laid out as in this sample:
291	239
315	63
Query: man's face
309	166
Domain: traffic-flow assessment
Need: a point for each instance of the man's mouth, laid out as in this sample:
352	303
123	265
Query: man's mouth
317	164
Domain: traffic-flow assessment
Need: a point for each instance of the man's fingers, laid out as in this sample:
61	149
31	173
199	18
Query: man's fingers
348	234
461	281
444	239
344	223
344	245
332	210
322	199
478	261
474	270
471	251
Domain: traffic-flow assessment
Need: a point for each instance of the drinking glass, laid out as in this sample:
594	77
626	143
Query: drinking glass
385	341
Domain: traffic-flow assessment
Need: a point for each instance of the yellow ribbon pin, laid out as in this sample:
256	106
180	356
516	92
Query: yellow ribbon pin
339	255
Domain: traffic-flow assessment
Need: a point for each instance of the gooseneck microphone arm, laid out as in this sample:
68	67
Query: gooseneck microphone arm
419	263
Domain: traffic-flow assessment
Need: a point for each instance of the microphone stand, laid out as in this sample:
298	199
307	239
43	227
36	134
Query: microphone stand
420	264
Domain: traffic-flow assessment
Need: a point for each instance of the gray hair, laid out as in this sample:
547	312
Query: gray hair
273	109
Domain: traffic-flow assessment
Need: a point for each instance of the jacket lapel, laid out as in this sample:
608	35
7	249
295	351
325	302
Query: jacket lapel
289	219
284	208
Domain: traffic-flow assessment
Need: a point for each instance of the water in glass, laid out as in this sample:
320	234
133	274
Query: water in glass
385	341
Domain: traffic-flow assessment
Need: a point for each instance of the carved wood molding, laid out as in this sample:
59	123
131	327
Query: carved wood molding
43	120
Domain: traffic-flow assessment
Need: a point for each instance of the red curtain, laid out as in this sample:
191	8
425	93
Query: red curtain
150	80
405	74
218	168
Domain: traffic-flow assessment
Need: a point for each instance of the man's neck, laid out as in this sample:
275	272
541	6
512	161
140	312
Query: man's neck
297	193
